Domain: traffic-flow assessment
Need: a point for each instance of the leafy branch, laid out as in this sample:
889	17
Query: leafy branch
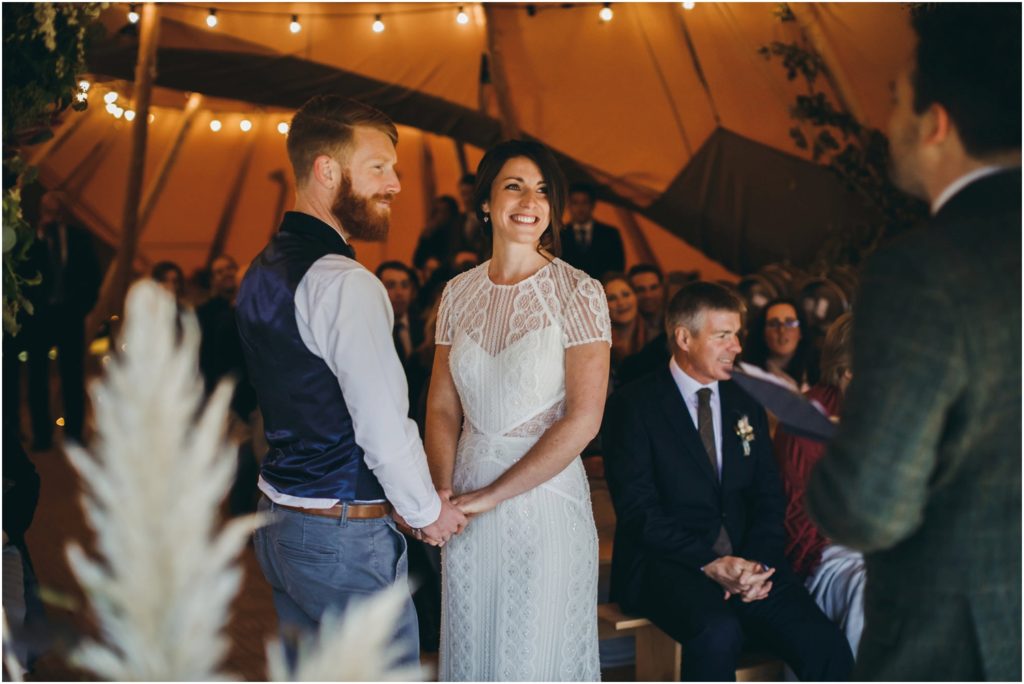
858	155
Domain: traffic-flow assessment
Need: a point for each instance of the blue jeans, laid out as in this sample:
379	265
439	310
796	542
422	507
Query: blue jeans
314	563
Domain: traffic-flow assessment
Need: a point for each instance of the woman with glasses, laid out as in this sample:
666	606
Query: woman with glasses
776	342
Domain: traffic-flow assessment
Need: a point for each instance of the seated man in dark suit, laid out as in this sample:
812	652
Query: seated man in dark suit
699	539
401	283
587	244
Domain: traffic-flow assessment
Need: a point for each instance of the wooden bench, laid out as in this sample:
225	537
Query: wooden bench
659	657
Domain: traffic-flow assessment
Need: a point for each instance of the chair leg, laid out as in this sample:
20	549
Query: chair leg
658	656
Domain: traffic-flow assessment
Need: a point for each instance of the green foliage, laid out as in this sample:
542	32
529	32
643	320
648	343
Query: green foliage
857	154
44	54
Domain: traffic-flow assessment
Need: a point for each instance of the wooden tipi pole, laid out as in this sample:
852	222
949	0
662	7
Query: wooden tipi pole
118	277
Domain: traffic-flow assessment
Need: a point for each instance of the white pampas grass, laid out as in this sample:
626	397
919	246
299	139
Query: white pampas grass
358	647
165	577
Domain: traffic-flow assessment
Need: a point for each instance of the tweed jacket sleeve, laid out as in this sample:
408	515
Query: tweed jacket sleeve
870	490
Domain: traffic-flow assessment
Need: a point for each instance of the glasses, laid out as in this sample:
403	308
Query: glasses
776	323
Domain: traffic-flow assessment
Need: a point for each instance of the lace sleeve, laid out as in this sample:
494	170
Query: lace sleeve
443	331
586	315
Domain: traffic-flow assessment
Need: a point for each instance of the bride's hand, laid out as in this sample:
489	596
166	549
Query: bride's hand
476	502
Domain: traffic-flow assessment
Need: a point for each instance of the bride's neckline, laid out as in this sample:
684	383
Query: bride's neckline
486	266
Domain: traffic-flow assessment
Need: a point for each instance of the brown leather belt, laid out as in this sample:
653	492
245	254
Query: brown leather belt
355	511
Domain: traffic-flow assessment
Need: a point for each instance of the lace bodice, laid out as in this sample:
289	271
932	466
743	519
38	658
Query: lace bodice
508	344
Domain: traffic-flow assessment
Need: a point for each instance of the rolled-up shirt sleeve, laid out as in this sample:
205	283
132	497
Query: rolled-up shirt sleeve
345	318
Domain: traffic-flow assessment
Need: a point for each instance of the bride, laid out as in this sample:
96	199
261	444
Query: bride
517	391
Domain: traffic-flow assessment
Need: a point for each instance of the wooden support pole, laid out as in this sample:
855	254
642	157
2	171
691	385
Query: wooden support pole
460	153
509	124
118	277
43	150
227	216
163	171
281	178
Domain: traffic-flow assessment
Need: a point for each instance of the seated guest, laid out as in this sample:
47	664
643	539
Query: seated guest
649	285
656	353
587	244
834	574
401	284
777	344
627	329
699	542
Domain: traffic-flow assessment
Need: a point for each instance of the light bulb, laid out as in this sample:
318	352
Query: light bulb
211	20
282	128
111	107
151	118
118	112
245	125
133	15
689	5
462	17
84	85
295	26
606	12
215	125
81	96
129	114
110	97
378	25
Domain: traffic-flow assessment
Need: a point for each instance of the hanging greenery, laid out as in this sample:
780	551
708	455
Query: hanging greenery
44	55
857	154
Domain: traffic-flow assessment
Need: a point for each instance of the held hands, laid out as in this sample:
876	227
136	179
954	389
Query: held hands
476	502
451	521
741	577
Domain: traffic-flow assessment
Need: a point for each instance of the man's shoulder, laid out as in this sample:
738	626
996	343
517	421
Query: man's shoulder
643	390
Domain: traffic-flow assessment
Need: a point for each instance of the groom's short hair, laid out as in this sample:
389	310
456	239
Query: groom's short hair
688	306
326	125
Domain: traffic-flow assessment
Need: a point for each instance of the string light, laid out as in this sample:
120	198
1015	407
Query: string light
81	96
378	25
295	26
211	20
118	112
245	125
462	17
689	5
606	12
151	118
111	107
282	128
215	125
110	98
133	15
84	85
129	114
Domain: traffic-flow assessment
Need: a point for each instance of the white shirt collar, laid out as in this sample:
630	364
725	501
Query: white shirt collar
588	226
687	385
961	183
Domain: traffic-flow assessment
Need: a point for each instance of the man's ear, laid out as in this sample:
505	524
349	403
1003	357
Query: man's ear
936	125
486	206
326	171
682	337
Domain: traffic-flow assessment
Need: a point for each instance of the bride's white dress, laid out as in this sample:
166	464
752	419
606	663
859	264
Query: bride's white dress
519	585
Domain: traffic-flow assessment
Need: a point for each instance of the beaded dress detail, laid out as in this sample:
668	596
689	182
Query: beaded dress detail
519	586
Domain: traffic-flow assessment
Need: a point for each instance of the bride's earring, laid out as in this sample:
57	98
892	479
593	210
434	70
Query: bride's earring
487	217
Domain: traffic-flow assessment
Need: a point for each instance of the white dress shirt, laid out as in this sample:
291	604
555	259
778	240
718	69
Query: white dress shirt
345	318
584	233
688	388
961	183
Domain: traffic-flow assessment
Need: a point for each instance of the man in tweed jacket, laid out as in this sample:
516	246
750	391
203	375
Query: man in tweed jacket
925	474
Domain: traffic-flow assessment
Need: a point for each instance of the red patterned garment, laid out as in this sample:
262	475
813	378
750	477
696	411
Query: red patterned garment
797	457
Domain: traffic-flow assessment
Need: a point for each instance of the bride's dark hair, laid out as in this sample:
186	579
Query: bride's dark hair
540	155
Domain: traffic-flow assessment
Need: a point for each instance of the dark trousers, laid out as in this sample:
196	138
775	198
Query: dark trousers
713	632
55	327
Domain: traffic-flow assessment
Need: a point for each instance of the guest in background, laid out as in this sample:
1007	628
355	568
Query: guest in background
471	236
776	343
64	255
217	318
833	574
648	283
440	237
170	275
587	244
400	282
627	328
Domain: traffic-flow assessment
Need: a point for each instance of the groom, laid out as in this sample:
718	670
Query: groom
316	331
699	538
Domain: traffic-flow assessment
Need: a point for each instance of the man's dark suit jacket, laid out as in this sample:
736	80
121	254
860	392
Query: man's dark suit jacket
925	473
668	502
603	255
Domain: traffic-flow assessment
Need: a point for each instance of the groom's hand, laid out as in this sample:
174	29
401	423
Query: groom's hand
451	521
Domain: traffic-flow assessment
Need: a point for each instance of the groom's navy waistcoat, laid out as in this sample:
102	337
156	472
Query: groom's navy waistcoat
313	452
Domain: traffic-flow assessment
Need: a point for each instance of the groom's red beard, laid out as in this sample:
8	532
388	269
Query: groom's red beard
361	217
